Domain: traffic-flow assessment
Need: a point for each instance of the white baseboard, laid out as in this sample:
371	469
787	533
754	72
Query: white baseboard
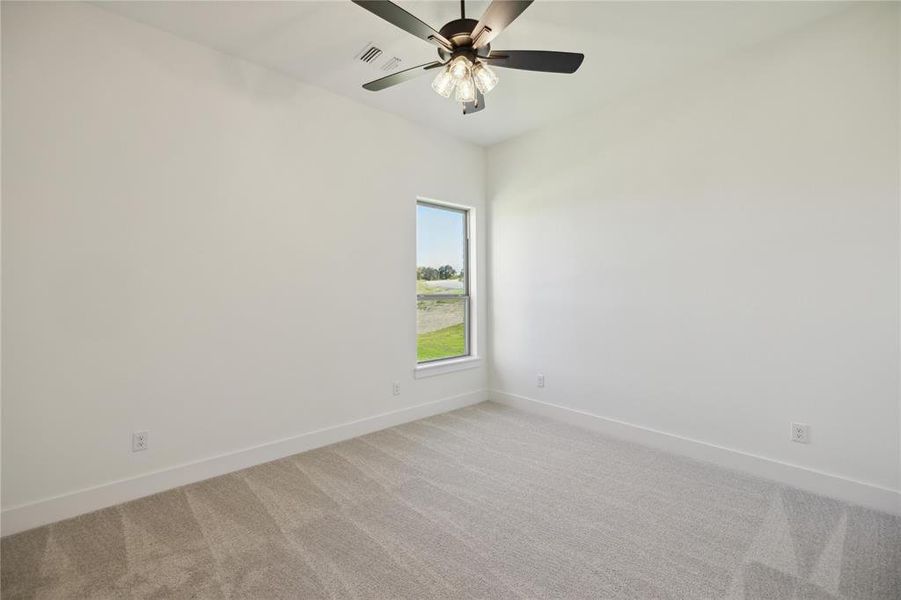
34	514
818	482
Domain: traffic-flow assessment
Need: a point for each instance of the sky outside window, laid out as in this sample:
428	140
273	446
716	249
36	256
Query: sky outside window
440	237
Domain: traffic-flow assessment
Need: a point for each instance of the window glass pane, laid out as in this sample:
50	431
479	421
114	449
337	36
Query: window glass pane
440	328
440	250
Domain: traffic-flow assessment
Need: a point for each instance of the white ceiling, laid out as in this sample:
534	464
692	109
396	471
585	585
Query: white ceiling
627	46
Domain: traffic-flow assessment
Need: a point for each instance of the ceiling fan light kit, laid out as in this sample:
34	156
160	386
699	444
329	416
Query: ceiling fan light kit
484	77
459	67
444	83
466	90
464	51
461	73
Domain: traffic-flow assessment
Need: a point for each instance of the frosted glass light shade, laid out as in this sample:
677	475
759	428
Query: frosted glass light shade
444	83
466	90
459	68
484	77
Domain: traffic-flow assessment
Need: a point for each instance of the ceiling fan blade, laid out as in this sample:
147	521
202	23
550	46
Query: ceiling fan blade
473	107
536	60
399	17
498	15
400	77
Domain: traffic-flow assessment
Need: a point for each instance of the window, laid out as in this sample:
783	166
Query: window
443	303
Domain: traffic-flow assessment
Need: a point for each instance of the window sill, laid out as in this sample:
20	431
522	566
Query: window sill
440	367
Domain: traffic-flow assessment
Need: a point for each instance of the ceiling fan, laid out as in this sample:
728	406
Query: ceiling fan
464	51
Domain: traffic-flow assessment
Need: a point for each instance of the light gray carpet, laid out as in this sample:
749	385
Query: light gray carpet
484	502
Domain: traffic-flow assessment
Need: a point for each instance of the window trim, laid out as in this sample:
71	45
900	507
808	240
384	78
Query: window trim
446	365
471	359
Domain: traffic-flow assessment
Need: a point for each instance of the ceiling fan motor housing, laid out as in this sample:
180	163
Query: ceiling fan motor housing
459	34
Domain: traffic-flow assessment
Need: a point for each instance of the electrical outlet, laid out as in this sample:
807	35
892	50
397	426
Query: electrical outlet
140	440
541	380
396	388
800	433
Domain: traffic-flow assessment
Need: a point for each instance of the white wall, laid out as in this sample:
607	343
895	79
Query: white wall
718	256
197	247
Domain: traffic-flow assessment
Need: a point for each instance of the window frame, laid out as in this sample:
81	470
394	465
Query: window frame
470	358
